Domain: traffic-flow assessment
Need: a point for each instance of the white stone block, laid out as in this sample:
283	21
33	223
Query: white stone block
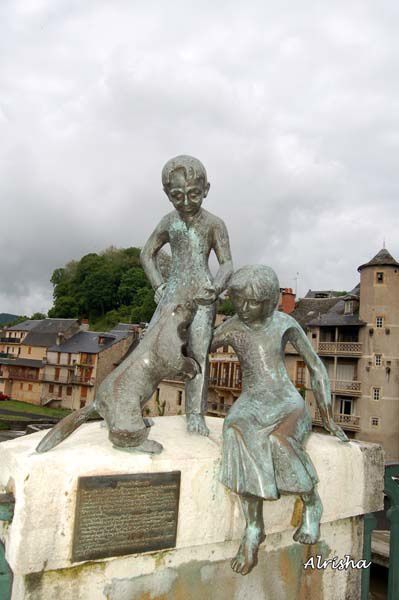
39	539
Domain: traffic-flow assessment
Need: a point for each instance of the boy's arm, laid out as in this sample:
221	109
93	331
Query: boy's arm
223	254
157	239
319	379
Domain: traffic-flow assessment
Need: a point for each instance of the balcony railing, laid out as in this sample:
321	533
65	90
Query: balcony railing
349	422
224	382
6	340
68	379
218	408
352	388
22	375
345	348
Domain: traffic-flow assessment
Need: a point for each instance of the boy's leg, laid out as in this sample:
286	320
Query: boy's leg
199	341
309	530
254	534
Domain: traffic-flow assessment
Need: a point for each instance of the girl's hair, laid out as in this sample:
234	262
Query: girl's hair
192	168
258	281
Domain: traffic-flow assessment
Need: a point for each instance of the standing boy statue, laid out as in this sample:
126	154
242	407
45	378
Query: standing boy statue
192	233
266	428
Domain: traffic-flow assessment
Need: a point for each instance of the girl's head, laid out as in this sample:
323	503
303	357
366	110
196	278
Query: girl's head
255	292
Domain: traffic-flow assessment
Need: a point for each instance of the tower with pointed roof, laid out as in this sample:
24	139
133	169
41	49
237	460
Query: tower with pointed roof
378	368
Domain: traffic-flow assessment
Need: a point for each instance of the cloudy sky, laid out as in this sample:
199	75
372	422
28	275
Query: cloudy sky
292	106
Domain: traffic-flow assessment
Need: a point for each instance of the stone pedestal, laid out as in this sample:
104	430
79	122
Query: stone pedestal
39	539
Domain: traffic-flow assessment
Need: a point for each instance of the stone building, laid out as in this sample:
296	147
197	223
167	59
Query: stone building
357	338
356	335
58	362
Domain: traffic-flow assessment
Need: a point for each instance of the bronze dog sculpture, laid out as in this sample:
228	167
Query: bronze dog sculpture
122	395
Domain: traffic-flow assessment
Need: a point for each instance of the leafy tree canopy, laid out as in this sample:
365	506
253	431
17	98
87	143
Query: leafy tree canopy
106	288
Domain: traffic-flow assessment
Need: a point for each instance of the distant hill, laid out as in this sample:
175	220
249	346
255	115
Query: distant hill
6	318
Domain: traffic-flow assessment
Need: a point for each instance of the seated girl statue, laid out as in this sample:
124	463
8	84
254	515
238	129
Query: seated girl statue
265	429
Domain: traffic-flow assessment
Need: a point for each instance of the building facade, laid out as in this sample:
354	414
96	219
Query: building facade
58	362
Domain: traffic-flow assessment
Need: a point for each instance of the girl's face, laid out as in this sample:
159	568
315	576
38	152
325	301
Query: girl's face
250	310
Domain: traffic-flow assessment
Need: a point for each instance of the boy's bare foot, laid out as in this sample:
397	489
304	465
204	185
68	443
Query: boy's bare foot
196	424
247	555
309	530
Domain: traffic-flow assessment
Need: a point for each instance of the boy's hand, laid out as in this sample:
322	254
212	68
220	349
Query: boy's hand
208	296
159	292
336	430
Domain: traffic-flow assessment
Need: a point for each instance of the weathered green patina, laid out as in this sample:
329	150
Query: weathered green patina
7	504
265	429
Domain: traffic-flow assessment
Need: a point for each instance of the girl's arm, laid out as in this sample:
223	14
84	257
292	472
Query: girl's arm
319	379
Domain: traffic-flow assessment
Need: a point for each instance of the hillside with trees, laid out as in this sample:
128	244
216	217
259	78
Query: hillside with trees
105	288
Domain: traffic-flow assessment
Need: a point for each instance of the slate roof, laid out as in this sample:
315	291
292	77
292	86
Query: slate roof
46	331
382	259
336	317
88	341
27	325
309	308
122	327
322	294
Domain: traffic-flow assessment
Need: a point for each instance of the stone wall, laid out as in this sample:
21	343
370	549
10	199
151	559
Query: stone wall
210	523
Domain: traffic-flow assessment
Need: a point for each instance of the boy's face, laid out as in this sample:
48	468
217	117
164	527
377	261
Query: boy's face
186	196
250	310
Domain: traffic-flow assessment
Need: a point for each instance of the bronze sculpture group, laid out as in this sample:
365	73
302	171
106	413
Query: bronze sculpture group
264	432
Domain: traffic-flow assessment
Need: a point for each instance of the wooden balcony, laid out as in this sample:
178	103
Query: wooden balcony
10	340
348	422
218	409
347	388
339	348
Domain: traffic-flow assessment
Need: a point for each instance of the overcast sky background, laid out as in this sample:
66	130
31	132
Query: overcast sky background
293	107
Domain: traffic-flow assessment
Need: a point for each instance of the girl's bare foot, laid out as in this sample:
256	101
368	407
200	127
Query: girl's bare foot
309	530
247	555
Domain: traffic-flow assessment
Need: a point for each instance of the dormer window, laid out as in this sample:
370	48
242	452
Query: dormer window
379	277
348	310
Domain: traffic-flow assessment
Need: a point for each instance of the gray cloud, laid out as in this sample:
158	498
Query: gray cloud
293	110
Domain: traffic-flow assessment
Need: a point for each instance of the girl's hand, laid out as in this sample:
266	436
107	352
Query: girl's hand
336	430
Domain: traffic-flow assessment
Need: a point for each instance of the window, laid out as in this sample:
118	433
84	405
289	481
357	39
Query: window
348	310
375	421
300	377
345	406
379	322
180	398
59	391
21	386
30	387
69	390
29	350
58	358
51	388
379	277
57	373
376	393
378	360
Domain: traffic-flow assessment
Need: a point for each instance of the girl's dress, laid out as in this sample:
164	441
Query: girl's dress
265	429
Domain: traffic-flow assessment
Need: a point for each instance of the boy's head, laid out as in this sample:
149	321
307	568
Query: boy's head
255	293
185	183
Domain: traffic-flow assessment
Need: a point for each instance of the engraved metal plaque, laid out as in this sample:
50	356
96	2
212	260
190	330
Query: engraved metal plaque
125	514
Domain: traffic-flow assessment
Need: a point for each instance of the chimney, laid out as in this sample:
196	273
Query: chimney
287	300
84	324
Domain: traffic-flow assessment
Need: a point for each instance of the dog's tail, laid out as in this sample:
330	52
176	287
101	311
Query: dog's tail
65	427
